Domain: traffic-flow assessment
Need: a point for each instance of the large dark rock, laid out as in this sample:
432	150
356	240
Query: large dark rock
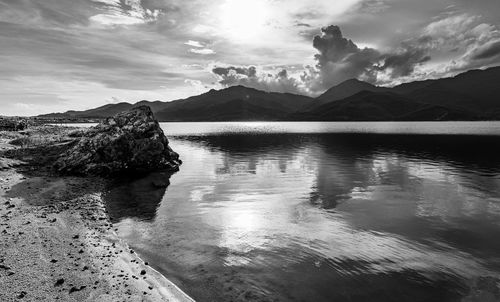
130	141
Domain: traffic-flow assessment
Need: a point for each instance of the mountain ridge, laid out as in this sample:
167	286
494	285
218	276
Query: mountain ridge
472	95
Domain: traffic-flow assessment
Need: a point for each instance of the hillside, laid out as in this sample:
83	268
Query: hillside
473	95
346	89
381	106
235	103
99	112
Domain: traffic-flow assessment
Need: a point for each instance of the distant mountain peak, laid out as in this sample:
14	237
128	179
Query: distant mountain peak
346	89
352	81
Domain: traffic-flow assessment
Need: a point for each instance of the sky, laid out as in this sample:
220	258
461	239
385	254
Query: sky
57	55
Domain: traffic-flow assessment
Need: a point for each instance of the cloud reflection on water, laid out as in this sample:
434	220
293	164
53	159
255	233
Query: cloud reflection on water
322	207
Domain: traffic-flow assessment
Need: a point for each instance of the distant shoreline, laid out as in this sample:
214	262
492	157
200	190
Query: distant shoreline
474	128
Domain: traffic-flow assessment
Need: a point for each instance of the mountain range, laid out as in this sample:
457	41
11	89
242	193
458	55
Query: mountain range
473	95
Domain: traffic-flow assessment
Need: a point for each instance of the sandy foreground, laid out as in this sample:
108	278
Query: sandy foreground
58	244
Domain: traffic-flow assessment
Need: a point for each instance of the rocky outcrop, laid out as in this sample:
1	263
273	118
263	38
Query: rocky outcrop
130	141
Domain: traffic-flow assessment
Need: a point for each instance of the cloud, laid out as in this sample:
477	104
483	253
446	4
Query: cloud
118	19
487	51
204	51
472	43
339	59
402	61
275	80
128	12
371	6
194	44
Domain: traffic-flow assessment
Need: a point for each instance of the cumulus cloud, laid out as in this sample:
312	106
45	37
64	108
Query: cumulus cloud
340	59
276	80
474	44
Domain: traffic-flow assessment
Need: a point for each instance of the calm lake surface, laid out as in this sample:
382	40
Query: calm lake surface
321	211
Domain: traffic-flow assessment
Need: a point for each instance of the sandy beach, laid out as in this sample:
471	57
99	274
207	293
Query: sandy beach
58	242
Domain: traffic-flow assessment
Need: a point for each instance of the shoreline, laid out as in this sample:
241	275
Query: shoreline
58	242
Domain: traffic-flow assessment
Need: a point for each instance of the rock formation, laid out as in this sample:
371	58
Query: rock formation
130	141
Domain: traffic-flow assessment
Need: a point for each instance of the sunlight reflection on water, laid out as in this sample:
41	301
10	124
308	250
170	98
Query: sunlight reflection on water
319	217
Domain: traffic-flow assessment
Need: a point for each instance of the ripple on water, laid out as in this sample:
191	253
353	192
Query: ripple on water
320	217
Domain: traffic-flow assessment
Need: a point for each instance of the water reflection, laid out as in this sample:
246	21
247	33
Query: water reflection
321	217
136	196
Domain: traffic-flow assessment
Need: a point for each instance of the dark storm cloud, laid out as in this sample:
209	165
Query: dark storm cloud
340	59
225	71
487	51
402	61
332	46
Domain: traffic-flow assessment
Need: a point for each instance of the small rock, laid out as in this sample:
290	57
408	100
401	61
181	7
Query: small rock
76	289
59	282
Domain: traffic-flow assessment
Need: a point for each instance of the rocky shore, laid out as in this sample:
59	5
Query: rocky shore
57	240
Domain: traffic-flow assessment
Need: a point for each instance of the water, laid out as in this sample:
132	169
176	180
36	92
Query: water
321	211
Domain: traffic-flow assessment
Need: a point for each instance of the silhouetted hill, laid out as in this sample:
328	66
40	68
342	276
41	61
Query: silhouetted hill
475	90
235	103
347	89
99	112
380	106
472	95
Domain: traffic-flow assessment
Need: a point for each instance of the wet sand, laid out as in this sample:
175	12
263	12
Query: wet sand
58	243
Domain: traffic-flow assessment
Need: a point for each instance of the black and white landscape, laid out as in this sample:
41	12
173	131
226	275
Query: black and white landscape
473	95
250	150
